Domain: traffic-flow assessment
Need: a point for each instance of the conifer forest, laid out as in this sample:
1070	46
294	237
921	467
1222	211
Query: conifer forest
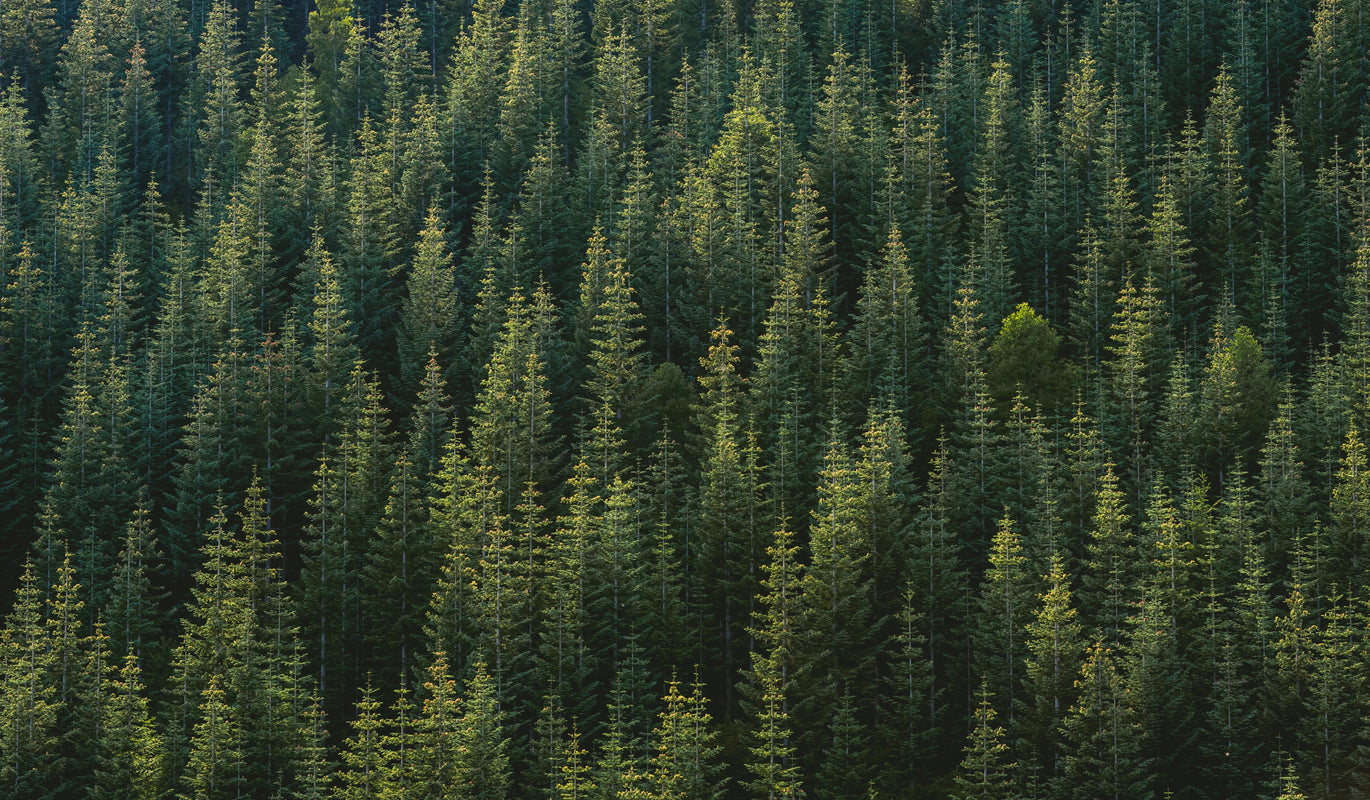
684	399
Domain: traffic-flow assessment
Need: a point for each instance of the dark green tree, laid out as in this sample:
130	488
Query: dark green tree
999	641
985	770
131	760
1024	361
1102	734
1109	584
429	321
885	340
1055	652
727	526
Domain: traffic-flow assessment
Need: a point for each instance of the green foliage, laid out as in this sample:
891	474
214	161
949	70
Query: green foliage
1055	653
429	322
1004	598
1109	584
727	524
1237	395
1101	734
985	772
685	763
775	773
1024	360
526	354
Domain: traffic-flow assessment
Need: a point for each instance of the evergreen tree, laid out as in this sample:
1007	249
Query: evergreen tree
1356	326
1293	648
993	214
885	340
797	358
684	763
1329	727
616	362
1229	229
1331	77
332	348
937	592
139	123
1347	515
844	173
1081	139
1169	258
237	700
346	503
1055	653
1286	513
1236	398
511	430
1135	345
1176	429
910	702
32	701
307	183
569	778
429	321
1102	735
133	616
31	40
837	609
1283	197
371	247
887	498
1239	716
984	772
1091	306
925	189
727	524
1289	784
772	756
482	763
433	765
402	566
130	763
1110	580
93	483
779	621
363	758
738	204
216	763
999	643
218	80
227	238
1030	495
1044	219
846	766
1169	630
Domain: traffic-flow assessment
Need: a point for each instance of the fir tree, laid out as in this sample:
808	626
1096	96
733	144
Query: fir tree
884	342
32	701
363	758
1102	735
1110	579
727	511
1055	653
482	762
131	760
999	643
684	764
984	771
428	323
771	763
